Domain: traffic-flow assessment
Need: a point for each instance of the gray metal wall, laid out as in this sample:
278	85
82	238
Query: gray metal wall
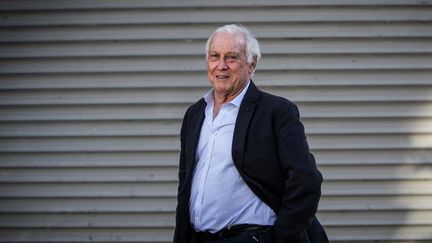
92	94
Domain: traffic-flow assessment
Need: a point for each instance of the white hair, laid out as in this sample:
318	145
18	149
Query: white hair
252	46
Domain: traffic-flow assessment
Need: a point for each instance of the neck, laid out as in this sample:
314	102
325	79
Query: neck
219	100
223	98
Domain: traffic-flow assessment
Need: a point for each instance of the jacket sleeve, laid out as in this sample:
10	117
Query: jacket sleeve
302	188
181	176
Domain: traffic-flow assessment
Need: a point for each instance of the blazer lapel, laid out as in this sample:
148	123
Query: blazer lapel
195	132
244	117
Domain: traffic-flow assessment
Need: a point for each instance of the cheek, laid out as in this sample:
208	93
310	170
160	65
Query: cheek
211	66
245	71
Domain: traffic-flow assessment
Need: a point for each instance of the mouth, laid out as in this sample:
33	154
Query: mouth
222	77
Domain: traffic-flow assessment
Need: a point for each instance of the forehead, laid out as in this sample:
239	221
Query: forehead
227	42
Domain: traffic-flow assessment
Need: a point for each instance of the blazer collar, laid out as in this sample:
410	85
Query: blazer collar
244	116
196	121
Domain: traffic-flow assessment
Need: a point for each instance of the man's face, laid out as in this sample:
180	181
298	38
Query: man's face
227	67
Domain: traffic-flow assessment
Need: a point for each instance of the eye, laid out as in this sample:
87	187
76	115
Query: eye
213	57
231	58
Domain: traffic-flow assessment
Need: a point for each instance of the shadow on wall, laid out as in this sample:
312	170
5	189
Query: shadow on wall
418	186
378	174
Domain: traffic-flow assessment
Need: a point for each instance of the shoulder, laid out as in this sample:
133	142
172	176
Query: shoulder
276	103
195	108
192	116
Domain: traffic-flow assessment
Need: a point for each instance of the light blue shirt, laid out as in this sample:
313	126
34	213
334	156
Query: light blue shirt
219	197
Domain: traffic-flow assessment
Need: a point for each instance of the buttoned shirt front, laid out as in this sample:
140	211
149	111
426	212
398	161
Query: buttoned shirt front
219	196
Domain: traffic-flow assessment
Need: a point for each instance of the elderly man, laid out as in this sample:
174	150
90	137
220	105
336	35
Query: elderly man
246	173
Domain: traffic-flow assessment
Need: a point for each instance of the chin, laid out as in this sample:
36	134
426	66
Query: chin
219	84
222	90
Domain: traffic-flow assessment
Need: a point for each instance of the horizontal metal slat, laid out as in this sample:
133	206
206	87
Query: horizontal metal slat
350	94
135	220
88	190
377	188
344	46
197	64
93	220
84	160
142	234
337	234
371	203
82	175
374	157
388	233
169	189
393	141
367	126
201	31
109	96
113	4
217	15
376	172
93	112
387	218
172	143
364	110
342	77
314	126
92	144
263	78
176	111
142	159
169	174
183	95
188	47
88	205
91	128
167	204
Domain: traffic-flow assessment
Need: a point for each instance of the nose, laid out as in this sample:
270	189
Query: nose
222	64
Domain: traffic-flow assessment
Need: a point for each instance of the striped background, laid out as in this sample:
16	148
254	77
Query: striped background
92	94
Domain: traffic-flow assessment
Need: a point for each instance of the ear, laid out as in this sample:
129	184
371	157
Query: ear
252	66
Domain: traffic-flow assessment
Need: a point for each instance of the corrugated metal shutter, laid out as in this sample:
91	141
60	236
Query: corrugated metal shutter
92	94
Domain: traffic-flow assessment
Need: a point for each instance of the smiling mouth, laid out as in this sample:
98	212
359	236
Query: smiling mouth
222	76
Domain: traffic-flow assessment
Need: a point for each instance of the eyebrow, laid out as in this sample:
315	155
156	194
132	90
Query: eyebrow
228	53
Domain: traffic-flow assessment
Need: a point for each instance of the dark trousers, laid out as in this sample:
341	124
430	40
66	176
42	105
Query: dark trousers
263	236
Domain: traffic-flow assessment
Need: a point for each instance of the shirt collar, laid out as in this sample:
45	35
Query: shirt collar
209	96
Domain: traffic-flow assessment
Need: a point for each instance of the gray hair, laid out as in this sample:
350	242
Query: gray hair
252	46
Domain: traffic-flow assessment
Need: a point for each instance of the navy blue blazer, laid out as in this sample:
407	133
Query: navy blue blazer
272	155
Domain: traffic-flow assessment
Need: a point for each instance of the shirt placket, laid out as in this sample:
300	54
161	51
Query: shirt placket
214	126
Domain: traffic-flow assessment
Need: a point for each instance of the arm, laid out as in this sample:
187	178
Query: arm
182	162
181	175
302	188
